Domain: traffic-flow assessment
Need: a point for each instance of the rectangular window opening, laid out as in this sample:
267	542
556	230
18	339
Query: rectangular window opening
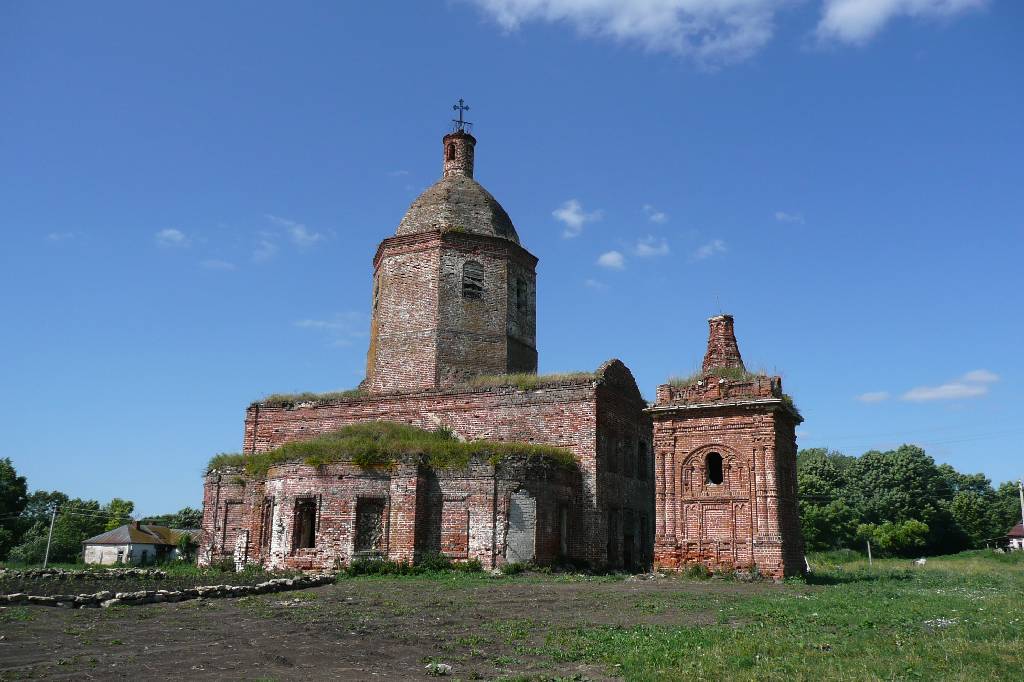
305	523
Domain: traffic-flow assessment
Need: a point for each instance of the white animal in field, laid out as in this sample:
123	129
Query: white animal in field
920	562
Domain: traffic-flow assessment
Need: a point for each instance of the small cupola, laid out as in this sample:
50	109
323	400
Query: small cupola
458	154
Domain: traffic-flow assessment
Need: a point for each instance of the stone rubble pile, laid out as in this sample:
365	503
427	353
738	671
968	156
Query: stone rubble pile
106	598
101	574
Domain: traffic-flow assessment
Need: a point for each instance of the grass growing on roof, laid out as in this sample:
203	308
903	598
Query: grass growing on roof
731	373
383	443
293	399
526	381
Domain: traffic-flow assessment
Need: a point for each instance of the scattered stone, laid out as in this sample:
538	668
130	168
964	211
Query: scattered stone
438	669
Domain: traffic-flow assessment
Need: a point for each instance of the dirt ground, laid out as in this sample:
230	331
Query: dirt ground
358	629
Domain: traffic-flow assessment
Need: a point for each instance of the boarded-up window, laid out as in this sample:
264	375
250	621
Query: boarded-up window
369	525
230	524
472	280
521	541
455	529
304	525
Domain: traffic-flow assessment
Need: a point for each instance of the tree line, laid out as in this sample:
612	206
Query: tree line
900	501
25	520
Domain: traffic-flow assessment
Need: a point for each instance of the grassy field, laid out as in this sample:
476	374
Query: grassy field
957	618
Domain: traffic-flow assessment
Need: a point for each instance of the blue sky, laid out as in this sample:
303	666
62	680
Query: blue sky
192	196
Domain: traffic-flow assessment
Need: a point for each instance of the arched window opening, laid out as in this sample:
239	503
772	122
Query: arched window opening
450	156
713	466
472	280
522	297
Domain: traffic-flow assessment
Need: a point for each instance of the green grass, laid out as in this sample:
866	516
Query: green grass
528	382
730	373
956	617
523	381
373	444
290	400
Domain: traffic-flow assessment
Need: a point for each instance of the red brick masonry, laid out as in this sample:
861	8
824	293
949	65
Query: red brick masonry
725	469
601	420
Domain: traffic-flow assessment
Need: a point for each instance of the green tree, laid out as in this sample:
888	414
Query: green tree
903	538
903	485
76	520
13	498
1007	507
826	520
186	517
120	512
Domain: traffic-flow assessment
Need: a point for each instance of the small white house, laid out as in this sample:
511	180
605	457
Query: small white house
133	543
1016	536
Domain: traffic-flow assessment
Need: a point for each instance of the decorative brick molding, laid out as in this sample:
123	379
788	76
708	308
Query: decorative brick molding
725	469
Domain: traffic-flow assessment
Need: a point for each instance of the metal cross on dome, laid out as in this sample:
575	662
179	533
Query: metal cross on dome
460	124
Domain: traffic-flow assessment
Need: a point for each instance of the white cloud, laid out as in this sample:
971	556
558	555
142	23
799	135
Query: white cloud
981	376
572	214
301	235
654	215
954	389
612	259
217	264
651	246
857	21
342	328
784	217
171	238
873	396
398	173
595	284
58	237
710	31
264	251
710	249
971	385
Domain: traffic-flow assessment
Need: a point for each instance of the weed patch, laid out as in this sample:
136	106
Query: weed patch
383	444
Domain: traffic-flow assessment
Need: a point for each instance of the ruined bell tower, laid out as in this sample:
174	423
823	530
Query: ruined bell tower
454	293
725	467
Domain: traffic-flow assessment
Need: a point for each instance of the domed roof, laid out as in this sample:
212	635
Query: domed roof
459	203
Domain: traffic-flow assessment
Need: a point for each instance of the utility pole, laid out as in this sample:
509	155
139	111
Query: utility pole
1020	489
49	538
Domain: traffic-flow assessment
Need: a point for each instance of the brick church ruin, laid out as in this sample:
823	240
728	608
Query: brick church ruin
574	468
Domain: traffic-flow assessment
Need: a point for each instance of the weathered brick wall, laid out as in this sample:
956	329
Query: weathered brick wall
565	415
723	350
425	333
464	514
750	518
403	329
625	480
459	151
725	468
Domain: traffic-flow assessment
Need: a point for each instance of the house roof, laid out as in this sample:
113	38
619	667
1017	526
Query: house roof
137	534
1017	531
